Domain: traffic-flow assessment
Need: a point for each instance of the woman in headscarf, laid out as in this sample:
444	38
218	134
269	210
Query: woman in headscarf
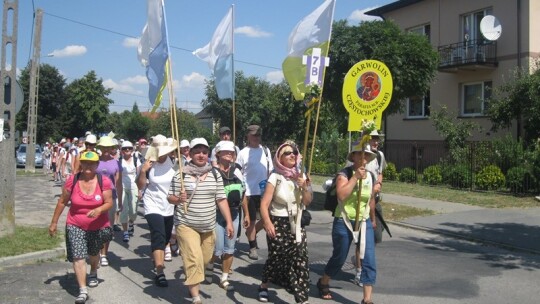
195	215
87	224
286	195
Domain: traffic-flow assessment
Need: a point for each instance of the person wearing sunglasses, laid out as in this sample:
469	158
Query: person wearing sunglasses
286	195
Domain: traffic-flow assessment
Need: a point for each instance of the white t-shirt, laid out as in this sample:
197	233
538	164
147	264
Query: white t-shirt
285	192
155	196
129	173
256	165
374	166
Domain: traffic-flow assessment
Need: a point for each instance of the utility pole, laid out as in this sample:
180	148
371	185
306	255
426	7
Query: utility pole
33	97
7	114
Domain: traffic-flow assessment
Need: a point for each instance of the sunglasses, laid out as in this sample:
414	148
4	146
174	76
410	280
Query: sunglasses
287	153
127	149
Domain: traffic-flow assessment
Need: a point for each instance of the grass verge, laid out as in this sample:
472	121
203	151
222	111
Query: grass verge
396	212
28	239
441	193
475	198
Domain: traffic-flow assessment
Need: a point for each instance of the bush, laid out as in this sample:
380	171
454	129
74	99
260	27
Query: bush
390	172
457	176
520	180
490	178
407	175
320	167
432	175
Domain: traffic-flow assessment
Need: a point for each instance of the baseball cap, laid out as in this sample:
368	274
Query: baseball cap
127	144
91	139
224	129
198	141
89	156
184	143
225	145
254	130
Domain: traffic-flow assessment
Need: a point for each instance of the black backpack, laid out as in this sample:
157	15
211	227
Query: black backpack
331	201
233	187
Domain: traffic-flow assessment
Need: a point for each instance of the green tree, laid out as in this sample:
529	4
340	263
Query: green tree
188	125
519	98
50	98
86	106
136	125
258	102
455	133
410	58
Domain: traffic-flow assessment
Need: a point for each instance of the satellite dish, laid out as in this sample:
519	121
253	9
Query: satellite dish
490	27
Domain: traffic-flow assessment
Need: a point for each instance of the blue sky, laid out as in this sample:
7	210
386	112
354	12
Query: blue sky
102	35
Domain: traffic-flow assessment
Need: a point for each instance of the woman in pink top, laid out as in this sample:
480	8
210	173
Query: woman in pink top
87	225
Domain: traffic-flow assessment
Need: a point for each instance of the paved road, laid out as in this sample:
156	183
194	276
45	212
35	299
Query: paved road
413	267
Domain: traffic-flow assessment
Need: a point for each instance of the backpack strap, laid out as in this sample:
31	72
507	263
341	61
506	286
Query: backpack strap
76	179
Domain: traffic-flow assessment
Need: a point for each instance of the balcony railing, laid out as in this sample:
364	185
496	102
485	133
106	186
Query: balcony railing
472	52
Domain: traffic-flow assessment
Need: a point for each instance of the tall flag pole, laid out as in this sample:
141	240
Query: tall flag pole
218	53
306	62
153	52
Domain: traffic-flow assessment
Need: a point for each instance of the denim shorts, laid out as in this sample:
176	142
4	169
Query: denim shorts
224	245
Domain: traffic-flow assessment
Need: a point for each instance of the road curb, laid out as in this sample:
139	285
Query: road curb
33	257
465	237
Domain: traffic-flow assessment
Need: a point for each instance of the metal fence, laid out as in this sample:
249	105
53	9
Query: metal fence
419	155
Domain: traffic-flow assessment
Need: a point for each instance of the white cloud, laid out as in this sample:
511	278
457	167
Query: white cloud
359	15
131	42
274	77
193	81
70	51
121	87
251	32
137	80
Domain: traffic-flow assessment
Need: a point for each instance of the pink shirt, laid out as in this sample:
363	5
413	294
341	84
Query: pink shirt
82	203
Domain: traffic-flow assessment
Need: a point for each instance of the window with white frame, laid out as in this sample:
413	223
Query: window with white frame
418	106
470	25
474	98
424	30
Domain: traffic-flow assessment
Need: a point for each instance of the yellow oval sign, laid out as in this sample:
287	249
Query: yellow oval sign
367	91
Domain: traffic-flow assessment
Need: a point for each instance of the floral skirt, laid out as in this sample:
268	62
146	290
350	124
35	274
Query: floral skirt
287	263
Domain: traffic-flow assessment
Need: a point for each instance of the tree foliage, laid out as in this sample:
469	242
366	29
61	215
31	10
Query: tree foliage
410	58
455	133
188	125
515	99
50	99
86	106
258	102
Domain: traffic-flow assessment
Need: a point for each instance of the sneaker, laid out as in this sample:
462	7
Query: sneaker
82	298
357	279
117	227
93	280
161	280
103	261
126	237
131	229
253	254
168	254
